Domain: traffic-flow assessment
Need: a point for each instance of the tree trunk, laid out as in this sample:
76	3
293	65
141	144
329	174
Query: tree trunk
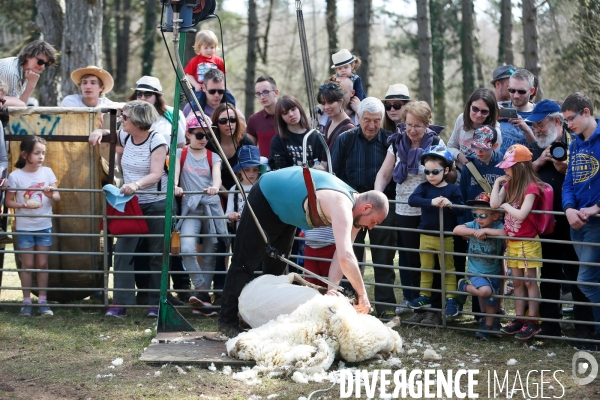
505	50
438	48
50	22
123	34
82	37
251	57
107	38
425	52
150	23
332	26
531	51
361	38
467	50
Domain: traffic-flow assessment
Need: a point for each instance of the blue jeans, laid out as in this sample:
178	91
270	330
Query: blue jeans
188	245
590	233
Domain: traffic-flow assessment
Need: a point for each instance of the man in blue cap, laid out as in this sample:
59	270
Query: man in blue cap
547	124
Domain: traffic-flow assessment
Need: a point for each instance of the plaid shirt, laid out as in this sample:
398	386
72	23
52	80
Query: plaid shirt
12	74
358	165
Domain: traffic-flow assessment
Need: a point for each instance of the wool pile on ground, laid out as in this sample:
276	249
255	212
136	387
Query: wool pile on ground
312	336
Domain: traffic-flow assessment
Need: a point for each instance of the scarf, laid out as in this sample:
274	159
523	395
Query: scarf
409	158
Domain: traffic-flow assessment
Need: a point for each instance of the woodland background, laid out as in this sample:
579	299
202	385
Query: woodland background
441	49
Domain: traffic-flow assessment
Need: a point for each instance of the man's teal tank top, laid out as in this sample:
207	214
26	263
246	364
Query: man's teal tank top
285	191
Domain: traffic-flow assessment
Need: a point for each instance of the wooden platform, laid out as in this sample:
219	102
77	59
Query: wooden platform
201	348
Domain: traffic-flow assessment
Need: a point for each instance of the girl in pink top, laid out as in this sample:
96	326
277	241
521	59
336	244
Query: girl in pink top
520	194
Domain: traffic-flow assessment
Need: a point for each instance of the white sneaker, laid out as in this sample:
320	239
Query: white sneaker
402	307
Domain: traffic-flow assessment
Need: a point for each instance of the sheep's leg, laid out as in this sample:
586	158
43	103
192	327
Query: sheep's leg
300	280
394	323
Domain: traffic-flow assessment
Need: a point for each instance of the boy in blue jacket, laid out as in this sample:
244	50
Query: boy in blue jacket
581	195
432	195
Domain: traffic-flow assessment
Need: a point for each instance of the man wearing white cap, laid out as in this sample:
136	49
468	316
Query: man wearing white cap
94	83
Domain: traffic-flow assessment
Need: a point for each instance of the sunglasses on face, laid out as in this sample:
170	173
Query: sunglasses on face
479	110
213	91
521	91
433	171
480	216
223	121
396	106
124	117
42	62
199	135
146	95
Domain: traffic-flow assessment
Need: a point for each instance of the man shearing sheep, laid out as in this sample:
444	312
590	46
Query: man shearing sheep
280	203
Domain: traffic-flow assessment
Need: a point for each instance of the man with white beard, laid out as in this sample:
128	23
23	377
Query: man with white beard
548	127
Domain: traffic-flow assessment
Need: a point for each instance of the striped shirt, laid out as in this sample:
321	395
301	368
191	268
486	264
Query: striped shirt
315	237
12	74
136	162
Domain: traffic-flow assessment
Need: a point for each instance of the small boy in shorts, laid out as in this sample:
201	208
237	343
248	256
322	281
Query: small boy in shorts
485	223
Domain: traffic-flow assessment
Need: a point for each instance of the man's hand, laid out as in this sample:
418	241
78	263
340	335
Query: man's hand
590	211
560	166
576	218
32	78
362	306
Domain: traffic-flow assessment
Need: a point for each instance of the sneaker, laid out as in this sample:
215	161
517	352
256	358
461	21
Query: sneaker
402	307
420	302
512	328
432	318
205	312
44	310
451	308
229	330
200	298
528	330
118	312
152	313
25	311
462	284
488	334
387	315
416	318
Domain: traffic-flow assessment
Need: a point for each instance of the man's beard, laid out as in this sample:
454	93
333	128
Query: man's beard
549	138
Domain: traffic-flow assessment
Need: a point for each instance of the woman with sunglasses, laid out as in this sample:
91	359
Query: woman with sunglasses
395	98
22	73
403	164
480	109
291	125
148	88
331	98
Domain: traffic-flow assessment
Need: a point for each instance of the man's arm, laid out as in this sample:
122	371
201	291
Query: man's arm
13	102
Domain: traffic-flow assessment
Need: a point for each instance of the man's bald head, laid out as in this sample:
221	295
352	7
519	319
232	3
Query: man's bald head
347	86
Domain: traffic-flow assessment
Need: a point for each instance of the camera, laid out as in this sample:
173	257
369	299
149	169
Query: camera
558	151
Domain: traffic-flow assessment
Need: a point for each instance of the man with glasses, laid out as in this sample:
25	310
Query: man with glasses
357	156
547	124
22	73
521	86
581	197
261	125
94	83
215	94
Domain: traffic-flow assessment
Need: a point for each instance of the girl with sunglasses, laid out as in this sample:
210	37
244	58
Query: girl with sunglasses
480	109
199	170
291	125
149	89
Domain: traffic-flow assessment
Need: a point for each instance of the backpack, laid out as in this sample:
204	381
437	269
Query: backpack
544	223
184	153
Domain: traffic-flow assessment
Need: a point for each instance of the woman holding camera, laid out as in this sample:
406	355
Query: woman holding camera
481	109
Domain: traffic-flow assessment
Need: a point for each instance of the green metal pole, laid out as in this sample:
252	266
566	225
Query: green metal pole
169	319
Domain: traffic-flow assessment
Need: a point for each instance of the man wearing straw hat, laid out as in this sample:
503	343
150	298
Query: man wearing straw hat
94	83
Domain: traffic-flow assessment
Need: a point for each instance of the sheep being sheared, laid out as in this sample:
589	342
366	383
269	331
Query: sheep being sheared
313	335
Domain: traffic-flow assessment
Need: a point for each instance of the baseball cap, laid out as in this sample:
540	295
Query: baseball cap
482	199
484	137
505	71
542	110
515	153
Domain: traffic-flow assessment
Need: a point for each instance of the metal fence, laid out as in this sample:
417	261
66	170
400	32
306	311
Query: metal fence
107	254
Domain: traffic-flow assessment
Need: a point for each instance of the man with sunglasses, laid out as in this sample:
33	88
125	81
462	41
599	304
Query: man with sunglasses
214	94
547	124
581	196
22	73
521	86
94	83
261	125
